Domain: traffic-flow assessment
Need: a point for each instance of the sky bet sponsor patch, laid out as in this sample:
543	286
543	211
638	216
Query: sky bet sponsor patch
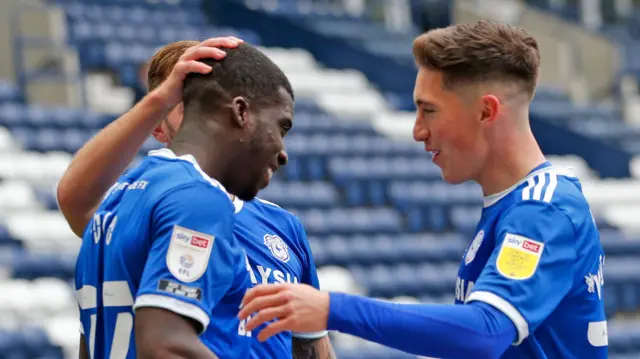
519	257
188	254
180	289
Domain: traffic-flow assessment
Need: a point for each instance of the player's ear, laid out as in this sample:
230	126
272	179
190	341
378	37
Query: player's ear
240	111
490	109
160	134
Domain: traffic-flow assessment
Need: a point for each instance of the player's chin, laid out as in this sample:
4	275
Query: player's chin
250	191
451	177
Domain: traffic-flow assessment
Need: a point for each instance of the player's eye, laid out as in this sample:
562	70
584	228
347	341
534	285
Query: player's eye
285	128
428	111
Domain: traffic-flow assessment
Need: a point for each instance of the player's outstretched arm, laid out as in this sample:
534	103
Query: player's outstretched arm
99	163
164	334
477	330
312	348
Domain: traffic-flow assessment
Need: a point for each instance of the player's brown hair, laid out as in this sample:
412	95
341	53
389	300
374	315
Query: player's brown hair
164	60
478	52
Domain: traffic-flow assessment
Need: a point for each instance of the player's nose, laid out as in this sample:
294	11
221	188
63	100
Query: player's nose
283	158
420	133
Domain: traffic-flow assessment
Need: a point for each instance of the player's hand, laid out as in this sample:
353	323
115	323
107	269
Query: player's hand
170	91
298	308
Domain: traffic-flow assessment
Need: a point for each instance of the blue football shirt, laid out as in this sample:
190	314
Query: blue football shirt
278	252
162	237
537	258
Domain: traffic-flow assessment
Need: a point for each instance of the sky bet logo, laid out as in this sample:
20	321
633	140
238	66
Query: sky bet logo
183	237
199	242
535	248
524	244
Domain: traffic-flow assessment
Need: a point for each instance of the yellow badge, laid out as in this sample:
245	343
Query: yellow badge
519	257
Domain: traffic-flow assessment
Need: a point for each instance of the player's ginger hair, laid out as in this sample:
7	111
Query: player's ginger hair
164	60
484	51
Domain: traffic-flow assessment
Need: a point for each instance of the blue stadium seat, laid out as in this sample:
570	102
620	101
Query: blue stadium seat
11	115
301	195
47	198
351	221
9	92
405	279
616	243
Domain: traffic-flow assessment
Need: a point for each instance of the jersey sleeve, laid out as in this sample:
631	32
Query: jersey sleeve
190	265
309	275
531	268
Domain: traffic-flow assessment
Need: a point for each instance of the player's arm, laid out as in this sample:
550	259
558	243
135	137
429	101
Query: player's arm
99	163
532	267
189	268
175	337
83	352
312	348
527	275
310	345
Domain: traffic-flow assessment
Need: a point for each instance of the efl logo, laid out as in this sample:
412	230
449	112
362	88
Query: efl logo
199	242
535	248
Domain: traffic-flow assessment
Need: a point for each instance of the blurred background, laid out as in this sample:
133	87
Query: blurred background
380	220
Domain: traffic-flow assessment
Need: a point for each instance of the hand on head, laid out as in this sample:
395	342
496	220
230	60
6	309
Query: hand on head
171	89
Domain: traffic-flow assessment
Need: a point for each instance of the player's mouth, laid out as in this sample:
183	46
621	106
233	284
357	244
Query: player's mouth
269	173
434	154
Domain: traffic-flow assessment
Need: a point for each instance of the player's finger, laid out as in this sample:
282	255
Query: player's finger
260	290
266	315
188	67
260	303
240	41
275	328
220	42
196	53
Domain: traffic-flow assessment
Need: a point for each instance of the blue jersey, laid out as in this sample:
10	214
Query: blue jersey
278	252
162	237
537	258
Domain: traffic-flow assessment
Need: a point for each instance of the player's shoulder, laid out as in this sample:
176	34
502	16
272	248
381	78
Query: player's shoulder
172	173
558	187
548	191
274	211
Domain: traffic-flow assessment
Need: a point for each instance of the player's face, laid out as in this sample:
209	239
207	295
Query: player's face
265	145
447	123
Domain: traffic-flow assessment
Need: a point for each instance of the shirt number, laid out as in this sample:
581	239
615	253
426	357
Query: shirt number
114	294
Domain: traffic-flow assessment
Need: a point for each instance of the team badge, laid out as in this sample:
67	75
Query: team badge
473	249
519	257
188	254
277	247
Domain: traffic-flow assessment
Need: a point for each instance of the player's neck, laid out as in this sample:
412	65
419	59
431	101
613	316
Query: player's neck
212	161
509	162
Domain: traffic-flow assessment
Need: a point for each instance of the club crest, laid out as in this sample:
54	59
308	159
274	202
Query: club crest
278	248
473	249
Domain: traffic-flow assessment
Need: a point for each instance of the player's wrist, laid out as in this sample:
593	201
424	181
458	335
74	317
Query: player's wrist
160	100
335	318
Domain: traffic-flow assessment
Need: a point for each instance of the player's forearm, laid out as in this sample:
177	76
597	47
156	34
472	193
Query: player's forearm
83	353
99	163
312	348
178	351
450	331
162	334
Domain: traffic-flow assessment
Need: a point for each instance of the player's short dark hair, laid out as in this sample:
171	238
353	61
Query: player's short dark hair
478	52
245	71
